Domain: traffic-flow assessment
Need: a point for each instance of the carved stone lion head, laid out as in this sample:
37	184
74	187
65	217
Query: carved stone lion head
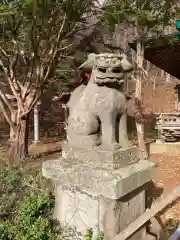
108	67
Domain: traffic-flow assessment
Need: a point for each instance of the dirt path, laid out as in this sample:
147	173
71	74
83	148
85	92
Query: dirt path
47	146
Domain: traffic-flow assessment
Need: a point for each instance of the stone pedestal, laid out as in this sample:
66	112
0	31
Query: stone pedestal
100	157
85	210
92	193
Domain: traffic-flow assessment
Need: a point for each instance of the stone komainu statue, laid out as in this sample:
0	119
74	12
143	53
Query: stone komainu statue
97	112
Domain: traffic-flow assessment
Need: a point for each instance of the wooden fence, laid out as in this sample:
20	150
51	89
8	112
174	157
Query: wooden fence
149	214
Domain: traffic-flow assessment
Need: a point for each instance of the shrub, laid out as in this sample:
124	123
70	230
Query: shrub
89	234
26	205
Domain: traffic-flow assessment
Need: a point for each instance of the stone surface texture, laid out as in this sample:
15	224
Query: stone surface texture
112	184
88	197
98	111
82	211
98	156
100	180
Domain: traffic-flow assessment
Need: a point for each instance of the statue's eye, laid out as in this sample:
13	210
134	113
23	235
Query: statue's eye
116	70
102	70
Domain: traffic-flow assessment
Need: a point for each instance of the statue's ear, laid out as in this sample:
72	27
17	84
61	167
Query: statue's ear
89	63
126	65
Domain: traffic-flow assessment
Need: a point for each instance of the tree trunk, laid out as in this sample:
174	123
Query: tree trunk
19	140
167	75
138	102
141	141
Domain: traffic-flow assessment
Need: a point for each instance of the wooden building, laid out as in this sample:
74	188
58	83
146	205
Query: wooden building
164	52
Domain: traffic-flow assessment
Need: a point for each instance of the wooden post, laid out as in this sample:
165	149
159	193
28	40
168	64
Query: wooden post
138	100
65	107
36	123
155	208
177	101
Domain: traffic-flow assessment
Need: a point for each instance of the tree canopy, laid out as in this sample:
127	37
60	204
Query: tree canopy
35	36
145	15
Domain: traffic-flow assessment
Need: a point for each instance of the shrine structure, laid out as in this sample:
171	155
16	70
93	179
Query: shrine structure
164	53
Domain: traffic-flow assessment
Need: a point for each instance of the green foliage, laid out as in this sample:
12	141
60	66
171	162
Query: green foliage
143	14
178	14
100	236
8	230
34	25
33	214
89	234
26	206
35	37
63	82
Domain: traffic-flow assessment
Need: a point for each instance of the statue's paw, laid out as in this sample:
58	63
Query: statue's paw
116	146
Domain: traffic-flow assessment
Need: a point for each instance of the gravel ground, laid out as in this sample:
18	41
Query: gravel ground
166	179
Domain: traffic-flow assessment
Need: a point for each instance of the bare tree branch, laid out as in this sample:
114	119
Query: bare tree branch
28	83
55	51
66	47
7	73
6	113
4	68
33	58
33	99
52	49
39	72
4	53
14	84
5	100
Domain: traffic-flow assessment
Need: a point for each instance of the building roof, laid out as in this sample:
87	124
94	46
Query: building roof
164	52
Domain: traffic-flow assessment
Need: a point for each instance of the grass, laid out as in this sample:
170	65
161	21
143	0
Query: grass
26	205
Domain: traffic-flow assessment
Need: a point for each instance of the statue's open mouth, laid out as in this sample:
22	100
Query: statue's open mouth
108	75
109	80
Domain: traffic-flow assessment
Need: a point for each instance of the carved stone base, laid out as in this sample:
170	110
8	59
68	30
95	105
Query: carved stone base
89	197
112	184
99	157
84	210
88	141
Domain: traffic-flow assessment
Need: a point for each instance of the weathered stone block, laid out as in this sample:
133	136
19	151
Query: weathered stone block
75	209
99	157
84	210
112	184
89	197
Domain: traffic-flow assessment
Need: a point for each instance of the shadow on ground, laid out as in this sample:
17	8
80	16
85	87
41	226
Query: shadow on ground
163	228
153	192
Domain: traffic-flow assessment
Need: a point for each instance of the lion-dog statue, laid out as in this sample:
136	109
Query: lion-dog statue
97	112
